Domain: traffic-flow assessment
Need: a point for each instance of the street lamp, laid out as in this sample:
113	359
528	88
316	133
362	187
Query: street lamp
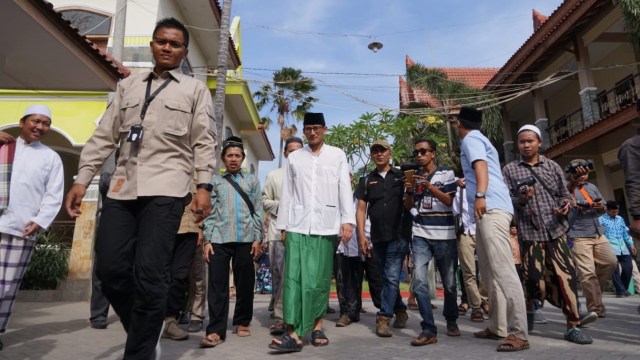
375	46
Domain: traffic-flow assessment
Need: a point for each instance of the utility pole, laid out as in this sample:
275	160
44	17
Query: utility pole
221	79
117	51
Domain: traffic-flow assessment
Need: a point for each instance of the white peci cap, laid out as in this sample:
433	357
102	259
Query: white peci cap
38	109
533	128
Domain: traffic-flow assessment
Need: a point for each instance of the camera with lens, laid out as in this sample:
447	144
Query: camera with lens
409	166
522	184
583	204
573	166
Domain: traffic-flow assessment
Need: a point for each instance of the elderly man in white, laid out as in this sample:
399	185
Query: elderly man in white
35	186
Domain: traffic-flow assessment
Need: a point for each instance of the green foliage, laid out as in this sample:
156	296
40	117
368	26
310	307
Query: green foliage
401	132
289	96
452	94
631	14
48	265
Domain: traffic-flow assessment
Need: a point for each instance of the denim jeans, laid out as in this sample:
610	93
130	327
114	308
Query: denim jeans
445	253
389	257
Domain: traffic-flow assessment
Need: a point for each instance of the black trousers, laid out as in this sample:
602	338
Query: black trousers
99	305
184	250
134	249
349	275
239	256
374	279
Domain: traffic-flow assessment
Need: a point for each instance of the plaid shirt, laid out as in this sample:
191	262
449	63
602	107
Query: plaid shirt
7	152
537	214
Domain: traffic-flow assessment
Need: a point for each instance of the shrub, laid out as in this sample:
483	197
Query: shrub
48	265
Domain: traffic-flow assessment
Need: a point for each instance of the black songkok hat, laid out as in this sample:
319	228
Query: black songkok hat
313	119
233	141
470	114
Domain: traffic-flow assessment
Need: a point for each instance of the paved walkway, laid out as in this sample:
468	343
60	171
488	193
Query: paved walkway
60	331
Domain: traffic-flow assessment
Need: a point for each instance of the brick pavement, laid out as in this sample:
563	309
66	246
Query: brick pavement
60	331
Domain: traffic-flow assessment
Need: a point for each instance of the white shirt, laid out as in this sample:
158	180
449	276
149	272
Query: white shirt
35	193
271	200
469	227
316	193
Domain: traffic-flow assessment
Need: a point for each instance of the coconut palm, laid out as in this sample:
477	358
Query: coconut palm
289	95
631	14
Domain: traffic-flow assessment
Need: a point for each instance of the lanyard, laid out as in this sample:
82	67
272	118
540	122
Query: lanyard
148	97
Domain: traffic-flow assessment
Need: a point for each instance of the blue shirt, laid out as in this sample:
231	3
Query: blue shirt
617	233
230	220
476	146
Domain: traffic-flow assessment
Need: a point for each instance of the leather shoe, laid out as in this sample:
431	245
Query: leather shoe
195	326
99	324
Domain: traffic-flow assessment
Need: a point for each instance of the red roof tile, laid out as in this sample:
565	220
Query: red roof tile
538	20
476	78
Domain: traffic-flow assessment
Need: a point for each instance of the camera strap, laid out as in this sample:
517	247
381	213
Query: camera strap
530	168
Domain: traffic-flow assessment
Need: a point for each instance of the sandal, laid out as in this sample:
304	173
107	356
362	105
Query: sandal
463	308
476	315
319	335
424	340
242	331
576	336
485	307
512	343
287	345
278	328
412	306
487	334
210	341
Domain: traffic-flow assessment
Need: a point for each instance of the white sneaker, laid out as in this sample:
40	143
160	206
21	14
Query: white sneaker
538	317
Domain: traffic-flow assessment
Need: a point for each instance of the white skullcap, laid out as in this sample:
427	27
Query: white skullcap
38	109
531	128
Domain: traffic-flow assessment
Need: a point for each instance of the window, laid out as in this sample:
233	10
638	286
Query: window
91	23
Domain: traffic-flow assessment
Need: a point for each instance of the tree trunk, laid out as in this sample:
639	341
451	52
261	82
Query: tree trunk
280	152
221	79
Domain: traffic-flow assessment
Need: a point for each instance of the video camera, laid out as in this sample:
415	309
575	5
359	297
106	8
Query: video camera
573	166
522	183
409	166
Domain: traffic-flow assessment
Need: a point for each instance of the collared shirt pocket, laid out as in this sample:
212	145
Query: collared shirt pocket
129	112
177	116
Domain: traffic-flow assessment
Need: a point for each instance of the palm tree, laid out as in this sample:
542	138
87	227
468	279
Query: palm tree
289	96
631	15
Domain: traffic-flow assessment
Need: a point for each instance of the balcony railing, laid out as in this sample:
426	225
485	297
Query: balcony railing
606	104
63	231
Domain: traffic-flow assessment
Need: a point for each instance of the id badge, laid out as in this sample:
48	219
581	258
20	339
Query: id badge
427	202
135	134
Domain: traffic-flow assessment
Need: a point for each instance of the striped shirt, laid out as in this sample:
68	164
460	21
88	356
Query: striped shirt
434	220
230	220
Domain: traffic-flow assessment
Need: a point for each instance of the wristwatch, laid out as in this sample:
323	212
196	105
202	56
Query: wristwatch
480	195
205	186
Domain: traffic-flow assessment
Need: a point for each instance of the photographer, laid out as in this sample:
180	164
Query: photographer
592	253
541	203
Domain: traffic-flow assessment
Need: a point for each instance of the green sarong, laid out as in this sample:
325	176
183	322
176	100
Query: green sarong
307	279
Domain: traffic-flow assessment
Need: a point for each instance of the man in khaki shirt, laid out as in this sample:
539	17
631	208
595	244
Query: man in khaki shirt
161	121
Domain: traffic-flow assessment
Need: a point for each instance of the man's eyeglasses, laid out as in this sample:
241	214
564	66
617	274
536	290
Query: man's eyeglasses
421	152
315	129
173	44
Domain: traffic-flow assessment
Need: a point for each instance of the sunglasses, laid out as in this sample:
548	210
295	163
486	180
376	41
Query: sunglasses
421	152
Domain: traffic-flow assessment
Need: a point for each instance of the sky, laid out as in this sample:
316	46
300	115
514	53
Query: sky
327	40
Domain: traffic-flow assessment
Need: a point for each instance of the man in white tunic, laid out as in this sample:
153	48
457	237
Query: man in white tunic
35	196
316	206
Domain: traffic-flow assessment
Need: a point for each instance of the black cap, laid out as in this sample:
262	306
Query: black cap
313	119
470	114
232	141
612	205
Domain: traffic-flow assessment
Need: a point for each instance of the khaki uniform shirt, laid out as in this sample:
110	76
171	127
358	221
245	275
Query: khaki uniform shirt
188	222
178	139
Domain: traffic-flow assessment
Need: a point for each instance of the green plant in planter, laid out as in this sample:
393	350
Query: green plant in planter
49	263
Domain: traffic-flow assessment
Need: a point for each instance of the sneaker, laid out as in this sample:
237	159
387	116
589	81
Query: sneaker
538	317
588	318
173	332
195	326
